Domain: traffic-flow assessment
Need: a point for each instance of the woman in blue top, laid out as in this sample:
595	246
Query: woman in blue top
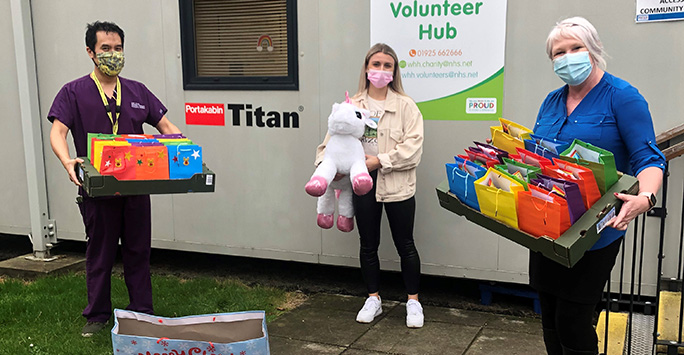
608	112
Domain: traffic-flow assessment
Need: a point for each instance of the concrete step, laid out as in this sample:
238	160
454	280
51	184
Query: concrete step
617	332
28	267
668	321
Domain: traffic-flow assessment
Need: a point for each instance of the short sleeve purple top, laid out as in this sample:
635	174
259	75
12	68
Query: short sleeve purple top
78	106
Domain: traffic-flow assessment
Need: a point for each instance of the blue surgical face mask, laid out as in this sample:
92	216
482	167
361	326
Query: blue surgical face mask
573	68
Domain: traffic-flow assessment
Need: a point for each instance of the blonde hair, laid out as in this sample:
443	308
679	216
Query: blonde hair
581	29
395	84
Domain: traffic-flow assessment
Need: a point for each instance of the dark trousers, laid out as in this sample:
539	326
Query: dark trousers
570	322
569	296
108	220
368	213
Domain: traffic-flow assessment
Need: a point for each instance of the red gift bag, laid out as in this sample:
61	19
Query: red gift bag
530	158
118	161
583	176
478	156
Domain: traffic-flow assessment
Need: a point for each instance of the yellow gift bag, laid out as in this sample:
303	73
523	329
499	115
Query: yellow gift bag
509	135
497	195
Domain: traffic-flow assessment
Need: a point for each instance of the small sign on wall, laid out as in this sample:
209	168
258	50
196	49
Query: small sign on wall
205	114
659	10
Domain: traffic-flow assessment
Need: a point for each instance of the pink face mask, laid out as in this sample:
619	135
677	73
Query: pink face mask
379	78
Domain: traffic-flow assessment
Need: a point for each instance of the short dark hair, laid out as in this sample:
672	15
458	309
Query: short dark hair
93	28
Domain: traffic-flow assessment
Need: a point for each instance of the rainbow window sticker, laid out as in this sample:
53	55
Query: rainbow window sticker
265	40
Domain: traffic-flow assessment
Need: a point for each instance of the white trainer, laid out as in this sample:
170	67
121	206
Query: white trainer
371	309
414	314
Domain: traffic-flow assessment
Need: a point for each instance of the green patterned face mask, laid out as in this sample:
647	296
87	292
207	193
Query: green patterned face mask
110	63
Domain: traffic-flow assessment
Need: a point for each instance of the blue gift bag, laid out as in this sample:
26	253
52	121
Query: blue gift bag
546	147
461	176
209	334
141	140
185	160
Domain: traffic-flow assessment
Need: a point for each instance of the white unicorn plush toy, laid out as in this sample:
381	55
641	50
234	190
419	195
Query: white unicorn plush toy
343	155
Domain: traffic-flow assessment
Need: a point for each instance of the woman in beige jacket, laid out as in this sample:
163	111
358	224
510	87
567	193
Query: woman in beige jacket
393	152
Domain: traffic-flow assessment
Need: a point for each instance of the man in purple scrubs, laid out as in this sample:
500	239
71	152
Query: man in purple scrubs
103	102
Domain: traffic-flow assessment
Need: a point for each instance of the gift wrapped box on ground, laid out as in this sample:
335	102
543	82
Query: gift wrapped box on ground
572	244
97	185
210	334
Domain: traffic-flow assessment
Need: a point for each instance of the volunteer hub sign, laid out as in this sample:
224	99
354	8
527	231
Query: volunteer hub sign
659	10
451	54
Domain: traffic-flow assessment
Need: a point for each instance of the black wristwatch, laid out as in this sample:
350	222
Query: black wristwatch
651	198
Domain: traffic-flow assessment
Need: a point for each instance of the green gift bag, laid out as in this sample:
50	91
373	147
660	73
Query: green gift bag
503	169
600	161
526	171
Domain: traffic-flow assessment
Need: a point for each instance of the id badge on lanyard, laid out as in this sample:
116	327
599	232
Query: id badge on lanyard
114	121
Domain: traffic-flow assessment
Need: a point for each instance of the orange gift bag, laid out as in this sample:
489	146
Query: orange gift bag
542	213
152	162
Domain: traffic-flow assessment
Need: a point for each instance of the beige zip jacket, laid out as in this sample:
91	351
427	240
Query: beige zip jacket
400	146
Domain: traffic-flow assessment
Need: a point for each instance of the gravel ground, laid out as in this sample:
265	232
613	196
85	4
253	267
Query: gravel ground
304	277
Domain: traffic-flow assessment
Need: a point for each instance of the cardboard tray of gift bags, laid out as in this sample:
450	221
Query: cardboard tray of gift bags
572	244
98	185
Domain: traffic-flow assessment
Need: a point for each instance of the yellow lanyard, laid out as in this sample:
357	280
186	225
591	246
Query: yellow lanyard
115	123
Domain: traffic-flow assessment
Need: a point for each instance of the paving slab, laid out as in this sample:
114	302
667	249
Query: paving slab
530	326
362	352
24	267
497	341
280	345
321	325
390	335
448	315
325	324
342	303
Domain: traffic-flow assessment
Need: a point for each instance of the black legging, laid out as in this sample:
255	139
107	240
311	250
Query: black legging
571	322
400	215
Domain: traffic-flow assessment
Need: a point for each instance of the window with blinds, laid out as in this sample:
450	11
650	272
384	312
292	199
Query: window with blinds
239	44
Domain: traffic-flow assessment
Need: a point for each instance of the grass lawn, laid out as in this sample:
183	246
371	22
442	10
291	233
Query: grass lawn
44	316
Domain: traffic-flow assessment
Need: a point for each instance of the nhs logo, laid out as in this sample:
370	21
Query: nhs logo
481	105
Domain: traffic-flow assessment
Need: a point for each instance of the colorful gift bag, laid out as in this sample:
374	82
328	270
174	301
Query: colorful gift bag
176	143
509	135
517	176
600	161
174	140
118	161
526	171
137	136
546	147
241	333
467	158
530	158
496	195
185	160
141	140
583	176
100	136
567	189
461	177
542	213
169	136
491	151
152	162
98	145
476	155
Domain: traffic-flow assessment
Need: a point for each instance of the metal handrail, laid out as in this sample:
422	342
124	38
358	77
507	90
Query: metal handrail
671	143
